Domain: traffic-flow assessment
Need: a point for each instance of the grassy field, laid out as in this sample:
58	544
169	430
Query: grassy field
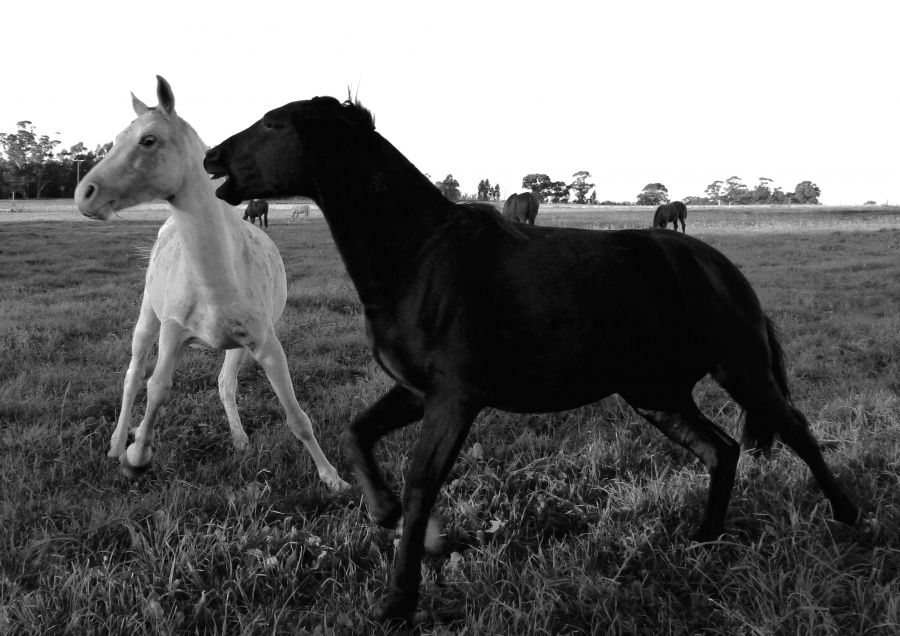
576	522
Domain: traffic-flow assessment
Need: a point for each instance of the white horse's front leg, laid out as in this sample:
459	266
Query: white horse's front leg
146	331
271	358
227	388
137	456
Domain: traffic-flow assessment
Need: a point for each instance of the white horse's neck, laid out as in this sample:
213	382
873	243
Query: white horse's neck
208	226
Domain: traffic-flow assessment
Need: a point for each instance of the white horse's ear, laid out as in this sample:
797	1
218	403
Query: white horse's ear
139	107
165	95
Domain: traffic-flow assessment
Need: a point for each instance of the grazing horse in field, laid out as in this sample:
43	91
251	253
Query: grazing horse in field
298	211
465	310
212	280
670	213
257	209
522	207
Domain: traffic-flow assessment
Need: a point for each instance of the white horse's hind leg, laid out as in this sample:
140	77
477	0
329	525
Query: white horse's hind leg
271	358
145	333
138	455
227	388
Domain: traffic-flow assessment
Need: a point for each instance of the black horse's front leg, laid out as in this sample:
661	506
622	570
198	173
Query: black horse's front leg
396	409
444	428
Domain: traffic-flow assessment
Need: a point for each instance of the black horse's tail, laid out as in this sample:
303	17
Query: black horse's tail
758	434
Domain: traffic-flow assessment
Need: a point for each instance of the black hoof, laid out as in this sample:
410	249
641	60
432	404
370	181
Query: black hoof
387	515
848	514
705	533
397	613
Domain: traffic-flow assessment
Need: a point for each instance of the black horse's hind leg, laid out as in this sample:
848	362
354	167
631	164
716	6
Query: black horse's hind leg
719	452
795	433
682	225
766	407
266	217
444	427
790	424
396	409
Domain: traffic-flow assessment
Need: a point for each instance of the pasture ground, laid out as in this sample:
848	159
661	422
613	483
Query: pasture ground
575	522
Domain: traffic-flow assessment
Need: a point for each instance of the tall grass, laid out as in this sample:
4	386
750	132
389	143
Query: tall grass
574	522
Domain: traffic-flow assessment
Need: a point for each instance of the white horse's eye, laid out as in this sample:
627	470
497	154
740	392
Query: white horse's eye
147	141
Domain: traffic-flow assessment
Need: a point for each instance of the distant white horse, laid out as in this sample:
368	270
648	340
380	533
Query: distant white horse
299	210
212	280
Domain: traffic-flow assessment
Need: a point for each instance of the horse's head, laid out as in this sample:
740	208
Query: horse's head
278	155
148	161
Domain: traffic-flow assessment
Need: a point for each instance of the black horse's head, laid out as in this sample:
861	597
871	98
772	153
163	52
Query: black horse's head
278	155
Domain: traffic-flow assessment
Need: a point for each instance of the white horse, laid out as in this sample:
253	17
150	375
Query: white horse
299	210
212	281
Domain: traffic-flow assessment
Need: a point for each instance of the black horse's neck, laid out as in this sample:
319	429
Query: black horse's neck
380	210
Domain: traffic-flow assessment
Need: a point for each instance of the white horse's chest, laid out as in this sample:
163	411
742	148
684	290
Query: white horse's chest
221	325
225	305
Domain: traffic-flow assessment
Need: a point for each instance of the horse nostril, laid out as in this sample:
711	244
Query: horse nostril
89	190
212	156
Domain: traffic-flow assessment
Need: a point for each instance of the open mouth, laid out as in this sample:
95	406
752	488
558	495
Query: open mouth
227	191
102	213
216	172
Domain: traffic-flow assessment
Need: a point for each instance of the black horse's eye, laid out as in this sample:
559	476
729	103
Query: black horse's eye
147	141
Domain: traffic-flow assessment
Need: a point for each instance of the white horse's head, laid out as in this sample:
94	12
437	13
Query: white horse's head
149	161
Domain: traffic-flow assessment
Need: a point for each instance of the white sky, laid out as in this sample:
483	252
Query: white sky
682	93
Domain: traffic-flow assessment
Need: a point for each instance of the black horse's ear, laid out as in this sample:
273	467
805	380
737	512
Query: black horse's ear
358	114
165	95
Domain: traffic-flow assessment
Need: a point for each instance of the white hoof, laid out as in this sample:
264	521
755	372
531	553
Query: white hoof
138	457
116	447
334	481
240	442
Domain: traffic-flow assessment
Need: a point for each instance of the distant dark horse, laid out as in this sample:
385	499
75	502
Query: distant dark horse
521	207
585	314
258	209
670	213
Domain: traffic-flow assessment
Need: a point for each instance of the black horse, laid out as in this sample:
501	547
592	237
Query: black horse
257	209
465	310
670	213
522	207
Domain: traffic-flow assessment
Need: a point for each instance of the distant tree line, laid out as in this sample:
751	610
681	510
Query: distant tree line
547	190
31	166
733	191
488	192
